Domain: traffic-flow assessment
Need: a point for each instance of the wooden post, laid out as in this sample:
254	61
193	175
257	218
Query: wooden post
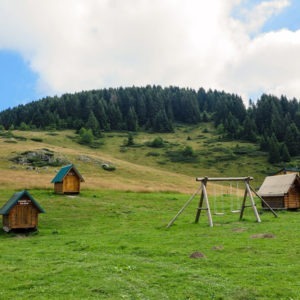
200	206
203	184
253	205
271	209
208	208
204	198
184	207
243	204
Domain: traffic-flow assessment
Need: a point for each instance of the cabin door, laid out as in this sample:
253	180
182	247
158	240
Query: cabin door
71	183
23	216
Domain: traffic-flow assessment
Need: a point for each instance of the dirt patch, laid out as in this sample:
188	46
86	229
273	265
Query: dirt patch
218	248
197	254
239	229
263	236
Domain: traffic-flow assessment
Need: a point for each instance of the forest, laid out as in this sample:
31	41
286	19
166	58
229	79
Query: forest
272	122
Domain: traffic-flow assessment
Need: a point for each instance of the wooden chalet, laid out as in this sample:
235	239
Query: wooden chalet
20	212
284	171
67	180
281	191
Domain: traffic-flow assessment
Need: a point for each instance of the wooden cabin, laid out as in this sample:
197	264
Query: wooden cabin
281	191
67	180
285	171
20	212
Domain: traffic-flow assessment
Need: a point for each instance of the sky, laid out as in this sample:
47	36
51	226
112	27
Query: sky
52	47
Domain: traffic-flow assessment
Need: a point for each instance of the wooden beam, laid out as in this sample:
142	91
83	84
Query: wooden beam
204	198
270	208
184	207
224	178
253	203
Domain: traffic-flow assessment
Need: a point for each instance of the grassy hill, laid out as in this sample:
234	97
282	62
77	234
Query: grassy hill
139	167
111	241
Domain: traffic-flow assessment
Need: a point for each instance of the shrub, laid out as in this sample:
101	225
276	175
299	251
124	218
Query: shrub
86	136
186	155
152	154
37	140
108	167
158	142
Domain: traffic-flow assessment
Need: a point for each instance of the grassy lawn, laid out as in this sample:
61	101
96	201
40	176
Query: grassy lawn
106	244
111	241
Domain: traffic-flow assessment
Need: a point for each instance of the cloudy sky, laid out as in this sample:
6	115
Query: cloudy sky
51	47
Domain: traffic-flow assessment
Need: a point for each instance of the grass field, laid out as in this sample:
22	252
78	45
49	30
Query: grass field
111	241
115	245
138	168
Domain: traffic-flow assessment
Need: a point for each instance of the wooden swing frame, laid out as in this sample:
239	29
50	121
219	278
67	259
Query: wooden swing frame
204	201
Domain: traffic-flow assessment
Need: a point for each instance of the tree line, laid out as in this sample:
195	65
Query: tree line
273	122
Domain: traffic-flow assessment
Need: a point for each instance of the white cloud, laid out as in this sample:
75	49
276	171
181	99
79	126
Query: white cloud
255	18
77	44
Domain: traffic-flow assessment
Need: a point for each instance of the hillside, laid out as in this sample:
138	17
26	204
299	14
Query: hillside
273	123
111	241
139	167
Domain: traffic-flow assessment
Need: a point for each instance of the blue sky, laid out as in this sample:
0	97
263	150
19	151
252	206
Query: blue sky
49	49
288	18
18	82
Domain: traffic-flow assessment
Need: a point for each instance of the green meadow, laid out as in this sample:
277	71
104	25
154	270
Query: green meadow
111	240
115	245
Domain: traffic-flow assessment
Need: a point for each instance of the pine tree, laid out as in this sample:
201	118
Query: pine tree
132	120
292	139
93	124
274	150
284	153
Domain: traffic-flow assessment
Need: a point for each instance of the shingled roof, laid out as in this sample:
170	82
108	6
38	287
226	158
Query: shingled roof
14	199
277	185
59	177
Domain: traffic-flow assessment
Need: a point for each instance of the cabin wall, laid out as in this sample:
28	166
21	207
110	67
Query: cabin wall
291	200
71	183
58	188
274	202
5	220
23	215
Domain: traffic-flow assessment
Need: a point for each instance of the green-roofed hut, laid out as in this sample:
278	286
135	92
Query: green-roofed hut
67	180
20	212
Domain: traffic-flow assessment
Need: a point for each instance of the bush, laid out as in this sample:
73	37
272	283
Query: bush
37	140
158	142
186	155
152	154
86	136
108	167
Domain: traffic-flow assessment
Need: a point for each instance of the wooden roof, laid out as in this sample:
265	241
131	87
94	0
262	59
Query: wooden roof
59	177
277	185
14	199
293	170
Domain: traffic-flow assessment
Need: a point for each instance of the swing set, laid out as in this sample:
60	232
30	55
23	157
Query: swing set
205	205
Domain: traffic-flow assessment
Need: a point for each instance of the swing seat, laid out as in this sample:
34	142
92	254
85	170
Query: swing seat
236	211
219	213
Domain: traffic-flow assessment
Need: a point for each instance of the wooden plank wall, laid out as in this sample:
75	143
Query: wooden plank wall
274	202
292	198
71	183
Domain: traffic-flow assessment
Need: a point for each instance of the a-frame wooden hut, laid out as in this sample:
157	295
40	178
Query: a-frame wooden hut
281	191
285	170
67	180
20	212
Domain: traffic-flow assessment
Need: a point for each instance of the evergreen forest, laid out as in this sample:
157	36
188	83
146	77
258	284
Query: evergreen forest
272	122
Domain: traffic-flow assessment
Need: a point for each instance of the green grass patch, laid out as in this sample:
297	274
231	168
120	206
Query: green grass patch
115	245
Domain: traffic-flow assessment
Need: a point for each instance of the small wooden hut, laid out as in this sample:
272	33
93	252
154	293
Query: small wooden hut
284	171
20	212
281	191
67	180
